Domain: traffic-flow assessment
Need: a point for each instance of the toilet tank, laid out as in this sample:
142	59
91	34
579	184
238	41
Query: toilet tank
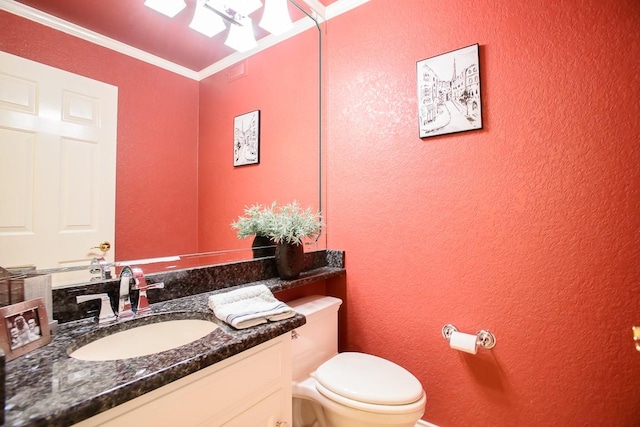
316	341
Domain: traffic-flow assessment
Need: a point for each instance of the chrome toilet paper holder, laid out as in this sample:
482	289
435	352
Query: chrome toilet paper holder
485	339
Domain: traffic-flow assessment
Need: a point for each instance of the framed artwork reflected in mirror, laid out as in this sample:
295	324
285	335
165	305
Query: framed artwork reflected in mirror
246	139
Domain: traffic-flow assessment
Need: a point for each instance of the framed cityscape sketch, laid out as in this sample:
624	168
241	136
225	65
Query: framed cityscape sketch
246	139
449	96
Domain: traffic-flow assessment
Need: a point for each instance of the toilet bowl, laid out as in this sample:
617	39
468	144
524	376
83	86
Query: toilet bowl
332	389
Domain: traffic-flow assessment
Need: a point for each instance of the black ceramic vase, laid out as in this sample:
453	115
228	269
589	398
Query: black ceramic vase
263	246
289	260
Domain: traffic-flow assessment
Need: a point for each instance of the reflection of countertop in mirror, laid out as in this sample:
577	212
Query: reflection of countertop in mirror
197	280
47	387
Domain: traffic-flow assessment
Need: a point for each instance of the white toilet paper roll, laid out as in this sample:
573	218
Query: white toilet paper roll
463	342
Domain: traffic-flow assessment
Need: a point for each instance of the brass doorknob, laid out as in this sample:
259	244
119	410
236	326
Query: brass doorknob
103	246
636	336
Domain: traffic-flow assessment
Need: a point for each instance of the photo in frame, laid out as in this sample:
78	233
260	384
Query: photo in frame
24	327
246	139
449	95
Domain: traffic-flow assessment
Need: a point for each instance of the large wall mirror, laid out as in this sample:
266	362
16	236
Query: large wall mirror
190	228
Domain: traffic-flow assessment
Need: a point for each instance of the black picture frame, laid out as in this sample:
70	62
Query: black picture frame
449	92
246	139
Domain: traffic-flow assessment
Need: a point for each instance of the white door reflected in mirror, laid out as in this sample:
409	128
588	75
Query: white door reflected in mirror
59	130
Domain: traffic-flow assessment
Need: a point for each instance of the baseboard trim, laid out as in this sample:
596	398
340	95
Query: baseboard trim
422	423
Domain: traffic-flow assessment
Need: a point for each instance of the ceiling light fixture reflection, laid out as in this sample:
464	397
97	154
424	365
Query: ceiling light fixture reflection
206	21
245	7
169	8
209	17
275	17
233	11
241	37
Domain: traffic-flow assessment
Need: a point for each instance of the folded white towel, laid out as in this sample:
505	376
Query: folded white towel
250	306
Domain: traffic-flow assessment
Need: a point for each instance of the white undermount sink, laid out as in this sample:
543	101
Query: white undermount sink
145	339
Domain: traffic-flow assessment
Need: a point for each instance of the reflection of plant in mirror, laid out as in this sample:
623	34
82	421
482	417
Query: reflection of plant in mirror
282	224
255	221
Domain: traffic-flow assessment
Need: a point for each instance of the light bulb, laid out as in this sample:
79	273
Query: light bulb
206	21
275	17
241	37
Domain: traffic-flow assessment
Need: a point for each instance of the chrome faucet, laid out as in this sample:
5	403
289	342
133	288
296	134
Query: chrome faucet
125	308
140	284
124	299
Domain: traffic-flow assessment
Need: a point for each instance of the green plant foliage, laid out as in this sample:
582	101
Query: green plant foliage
254	222
282	224
290	224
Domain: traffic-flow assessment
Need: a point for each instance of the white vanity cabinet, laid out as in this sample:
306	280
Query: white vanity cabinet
250	389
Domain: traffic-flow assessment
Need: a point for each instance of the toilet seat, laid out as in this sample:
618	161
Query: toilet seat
369	383
371	407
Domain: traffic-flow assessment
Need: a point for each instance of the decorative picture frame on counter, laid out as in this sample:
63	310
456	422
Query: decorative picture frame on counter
449	95
246	139
24	327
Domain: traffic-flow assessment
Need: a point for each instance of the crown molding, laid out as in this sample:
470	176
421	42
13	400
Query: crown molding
342	6
40	17
266	42
337	8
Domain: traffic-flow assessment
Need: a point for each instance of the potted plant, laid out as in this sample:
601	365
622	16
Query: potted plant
287	226
255	222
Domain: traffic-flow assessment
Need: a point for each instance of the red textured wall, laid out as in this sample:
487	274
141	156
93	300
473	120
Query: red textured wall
529	228
156	201
281	82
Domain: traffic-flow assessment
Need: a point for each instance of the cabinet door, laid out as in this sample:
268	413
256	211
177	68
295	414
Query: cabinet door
252	388
265	413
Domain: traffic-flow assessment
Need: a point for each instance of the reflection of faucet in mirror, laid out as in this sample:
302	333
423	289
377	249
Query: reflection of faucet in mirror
101	267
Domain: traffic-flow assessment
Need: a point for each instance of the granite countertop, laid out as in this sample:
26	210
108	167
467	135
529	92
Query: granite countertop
46	387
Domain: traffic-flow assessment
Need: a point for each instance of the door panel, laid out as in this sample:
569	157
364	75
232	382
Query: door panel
58	157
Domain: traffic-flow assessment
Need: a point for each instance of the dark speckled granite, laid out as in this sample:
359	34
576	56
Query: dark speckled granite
335	259
48	388
182	283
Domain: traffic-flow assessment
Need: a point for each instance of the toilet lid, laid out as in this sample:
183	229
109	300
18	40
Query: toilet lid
369	379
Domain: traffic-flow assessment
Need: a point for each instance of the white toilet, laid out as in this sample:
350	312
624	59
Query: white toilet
346	389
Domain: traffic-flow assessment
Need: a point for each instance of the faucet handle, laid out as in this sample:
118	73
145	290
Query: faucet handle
143	301
142	286
106	315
